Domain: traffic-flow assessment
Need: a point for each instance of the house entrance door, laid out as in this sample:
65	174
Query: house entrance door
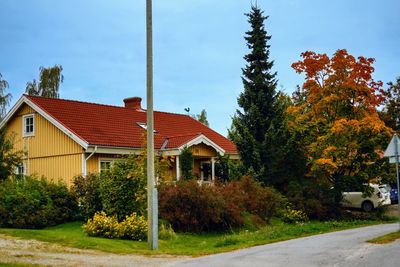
205	171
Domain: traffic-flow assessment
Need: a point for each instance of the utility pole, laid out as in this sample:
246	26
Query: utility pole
152	198
396	139
393	151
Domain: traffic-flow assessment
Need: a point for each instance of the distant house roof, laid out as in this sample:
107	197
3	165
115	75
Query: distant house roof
113	126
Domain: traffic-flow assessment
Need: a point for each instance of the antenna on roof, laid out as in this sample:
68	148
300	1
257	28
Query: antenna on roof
187	110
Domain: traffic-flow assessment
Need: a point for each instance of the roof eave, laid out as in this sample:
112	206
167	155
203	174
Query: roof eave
203	139
47	116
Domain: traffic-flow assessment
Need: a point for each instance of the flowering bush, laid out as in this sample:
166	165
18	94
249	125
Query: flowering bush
134	227
294	216
102	225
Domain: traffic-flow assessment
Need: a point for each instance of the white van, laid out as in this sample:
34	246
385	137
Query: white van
380	196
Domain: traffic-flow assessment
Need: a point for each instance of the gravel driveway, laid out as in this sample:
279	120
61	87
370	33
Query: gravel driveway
36	252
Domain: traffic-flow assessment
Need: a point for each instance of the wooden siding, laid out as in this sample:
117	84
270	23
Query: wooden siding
47	141
202	150
50	152
56	168
170	170
92	164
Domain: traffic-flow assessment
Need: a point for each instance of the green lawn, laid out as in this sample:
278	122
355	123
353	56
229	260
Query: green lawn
71	235
386	238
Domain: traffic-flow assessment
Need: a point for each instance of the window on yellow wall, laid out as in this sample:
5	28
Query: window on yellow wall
20	170
28	126
105	165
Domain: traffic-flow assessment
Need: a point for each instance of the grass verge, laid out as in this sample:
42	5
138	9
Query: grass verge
386	238
2	264
71	235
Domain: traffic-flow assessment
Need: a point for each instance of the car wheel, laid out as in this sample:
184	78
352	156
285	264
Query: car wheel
367	206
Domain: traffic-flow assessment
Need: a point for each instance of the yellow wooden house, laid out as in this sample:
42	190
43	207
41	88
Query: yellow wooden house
64	138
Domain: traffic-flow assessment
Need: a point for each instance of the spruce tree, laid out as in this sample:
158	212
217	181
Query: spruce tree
259	126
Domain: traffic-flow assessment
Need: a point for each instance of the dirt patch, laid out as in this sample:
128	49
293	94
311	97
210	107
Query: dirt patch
35	252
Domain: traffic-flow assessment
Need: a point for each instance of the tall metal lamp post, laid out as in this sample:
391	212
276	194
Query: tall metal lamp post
152	198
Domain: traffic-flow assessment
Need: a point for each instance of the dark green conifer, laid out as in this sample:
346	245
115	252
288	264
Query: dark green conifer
259	126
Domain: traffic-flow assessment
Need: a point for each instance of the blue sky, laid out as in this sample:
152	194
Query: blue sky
198	46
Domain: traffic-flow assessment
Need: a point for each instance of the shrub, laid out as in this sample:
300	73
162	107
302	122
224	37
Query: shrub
187	161
262	201
9	157
234	207
316	200
35	203
253	222
102	225
123	188
294	216
87	191
228	170
134	227
189	206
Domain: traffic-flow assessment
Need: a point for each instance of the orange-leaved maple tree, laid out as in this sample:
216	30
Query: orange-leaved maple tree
336	113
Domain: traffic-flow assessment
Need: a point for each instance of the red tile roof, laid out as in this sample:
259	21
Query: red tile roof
106	125
178	141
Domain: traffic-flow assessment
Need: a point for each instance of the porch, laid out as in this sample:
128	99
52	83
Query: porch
203	165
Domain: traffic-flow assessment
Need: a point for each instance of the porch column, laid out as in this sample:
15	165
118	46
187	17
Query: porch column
178	170
212	169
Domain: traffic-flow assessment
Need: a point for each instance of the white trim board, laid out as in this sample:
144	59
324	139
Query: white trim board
203	139
113	150
44	114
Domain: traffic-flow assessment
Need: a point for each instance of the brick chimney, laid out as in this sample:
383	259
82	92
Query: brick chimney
133	102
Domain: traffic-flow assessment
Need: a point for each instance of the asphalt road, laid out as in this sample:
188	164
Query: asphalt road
345	248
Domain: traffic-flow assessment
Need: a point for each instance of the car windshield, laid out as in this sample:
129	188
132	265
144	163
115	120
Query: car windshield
383	190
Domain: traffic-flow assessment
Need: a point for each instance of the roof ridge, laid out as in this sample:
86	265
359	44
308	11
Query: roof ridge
101	104
75	101
173	113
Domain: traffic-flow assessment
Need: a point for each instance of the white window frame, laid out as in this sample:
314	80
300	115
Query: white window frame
23	165
110	160
24	118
